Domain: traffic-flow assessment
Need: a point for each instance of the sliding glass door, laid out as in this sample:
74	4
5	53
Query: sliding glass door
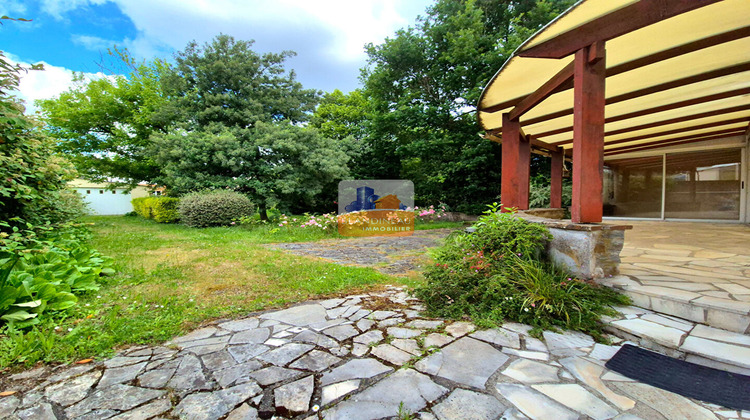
691	185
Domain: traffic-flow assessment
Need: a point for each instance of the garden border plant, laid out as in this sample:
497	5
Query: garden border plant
500	272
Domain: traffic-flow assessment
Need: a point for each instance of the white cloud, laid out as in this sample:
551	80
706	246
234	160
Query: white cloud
45	84
57	8
12	8
93	43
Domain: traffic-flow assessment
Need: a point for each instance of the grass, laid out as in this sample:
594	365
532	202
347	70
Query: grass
171	278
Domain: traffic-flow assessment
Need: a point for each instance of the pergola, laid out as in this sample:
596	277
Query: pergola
615	76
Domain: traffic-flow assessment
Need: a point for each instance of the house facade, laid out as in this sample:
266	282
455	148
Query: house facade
103	200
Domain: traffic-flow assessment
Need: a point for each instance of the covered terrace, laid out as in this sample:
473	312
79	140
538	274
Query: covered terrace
646	103
649	100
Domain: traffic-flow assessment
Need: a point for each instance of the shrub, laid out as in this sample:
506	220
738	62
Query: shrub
164	209
213	208
140	207
499	272
161	209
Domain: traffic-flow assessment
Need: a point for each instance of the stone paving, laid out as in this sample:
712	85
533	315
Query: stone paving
696	271
393	255
360	357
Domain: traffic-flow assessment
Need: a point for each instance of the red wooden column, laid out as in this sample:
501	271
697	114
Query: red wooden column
588	133
556	176
514	187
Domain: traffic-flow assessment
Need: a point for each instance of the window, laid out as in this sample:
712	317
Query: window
114	192
101	191
88	191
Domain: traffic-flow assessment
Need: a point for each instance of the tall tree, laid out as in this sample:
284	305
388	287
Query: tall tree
273	163
241	128
226	82
423	85
104	125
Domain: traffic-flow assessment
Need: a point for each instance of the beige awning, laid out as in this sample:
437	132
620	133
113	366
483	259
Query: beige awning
679	79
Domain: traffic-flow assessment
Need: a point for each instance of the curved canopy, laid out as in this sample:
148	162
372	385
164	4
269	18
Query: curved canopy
677	71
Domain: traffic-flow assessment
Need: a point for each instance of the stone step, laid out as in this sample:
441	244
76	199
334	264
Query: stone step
725	314
682	339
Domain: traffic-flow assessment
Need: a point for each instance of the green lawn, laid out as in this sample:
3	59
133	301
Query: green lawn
171	278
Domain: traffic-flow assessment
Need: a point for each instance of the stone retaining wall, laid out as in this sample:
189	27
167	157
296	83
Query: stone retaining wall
587	250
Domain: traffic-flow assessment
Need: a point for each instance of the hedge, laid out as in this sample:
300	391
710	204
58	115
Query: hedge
161	209
214	208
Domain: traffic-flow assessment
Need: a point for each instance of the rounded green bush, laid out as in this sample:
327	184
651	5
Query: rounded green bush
213	208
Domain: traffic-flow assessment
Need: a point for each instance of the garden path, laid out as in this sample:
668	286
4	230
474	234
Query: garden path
368	356
390	255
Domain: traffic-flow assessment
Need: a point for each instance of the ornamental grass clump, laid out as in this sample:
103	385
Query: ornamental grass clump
500	273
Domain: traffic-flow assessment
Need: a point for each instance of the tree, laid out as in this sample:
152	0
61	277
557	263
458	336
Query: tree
273	163
344	118
422	85
33	177
228	83
105	124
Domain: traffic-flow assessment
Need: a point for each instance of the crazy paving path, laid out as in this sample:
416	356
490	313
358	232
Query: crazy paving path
390	255
337	359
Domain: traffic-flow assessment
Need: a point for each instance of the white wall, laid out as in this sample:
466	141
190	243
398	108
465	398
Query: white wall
102	201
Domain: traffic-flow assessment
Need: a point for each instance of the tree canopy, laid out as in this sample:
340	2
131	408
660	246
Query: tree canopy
422	86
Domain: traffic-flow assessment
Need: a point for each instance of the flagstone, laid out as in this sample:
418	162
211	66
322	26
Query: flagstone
391	354
245	352
341	332
526	354
146	411
399	332
577	398
590	374
436	340
299	316
734	289
408	345
717	334
120	375
466	361
724	352
667	403
240	324
383	399
499	337
213	405
243	412
365	324
390	322
196	335
369	337
468	405
659	333
534	404
236	373
529	371
73	390
258	336
355	369
726	304
116	397
314	338
274	374
460	328
335	391
189	375
426	324
285	354
294	398
316	361
567	340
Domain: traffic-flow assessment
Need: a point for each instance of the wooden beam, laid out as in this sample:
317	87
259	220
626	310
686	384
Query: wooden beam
657	145
657	109
588	135
550	87
739	68
612	25
688	48
662	143
515	155
556	178
673	121
677	131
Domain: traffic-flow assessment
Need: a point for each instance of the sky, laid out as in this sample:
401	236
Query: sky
73	35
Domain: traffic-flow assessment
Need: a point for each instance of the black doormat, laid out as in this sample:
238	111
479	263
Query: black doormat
728	389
